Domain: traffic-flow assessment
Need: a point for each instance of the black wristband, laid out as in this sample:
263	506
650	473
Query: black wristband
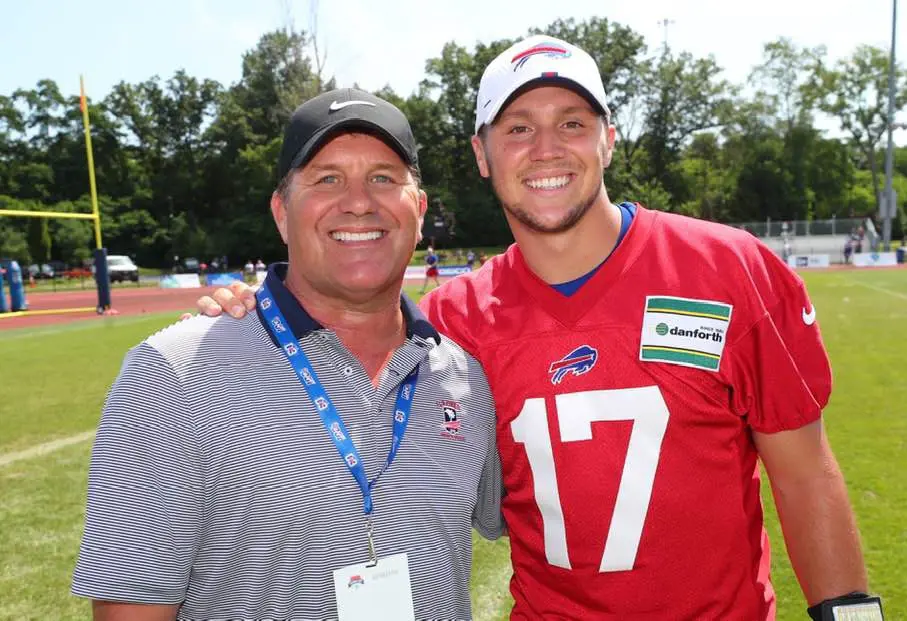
824	611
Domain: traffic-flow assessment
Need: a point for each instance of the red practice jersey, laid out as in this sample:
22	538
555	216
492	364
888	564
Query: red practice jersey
625	414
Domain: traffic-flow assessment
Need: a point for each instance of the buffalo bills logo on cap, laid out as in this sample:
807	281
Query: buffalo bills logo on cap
549	49
579	361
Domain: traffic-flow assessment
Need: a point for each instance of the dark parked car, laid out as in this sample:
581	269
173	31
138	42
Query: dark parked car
40	271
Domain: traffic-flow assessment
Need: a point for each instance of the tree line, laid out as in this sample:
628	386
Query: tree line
185	165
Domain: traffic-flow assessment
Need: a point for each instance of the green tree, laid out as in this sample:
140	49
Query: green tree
39	243
44	104
784	82
72	239
681	96
855	92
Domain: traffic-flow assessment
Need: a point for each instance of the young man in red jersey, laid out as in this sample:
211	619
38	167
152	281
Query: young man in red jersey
642	363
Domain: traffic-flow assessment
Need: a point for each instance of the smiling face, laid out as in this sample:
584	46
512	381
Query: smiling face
351	218
545	154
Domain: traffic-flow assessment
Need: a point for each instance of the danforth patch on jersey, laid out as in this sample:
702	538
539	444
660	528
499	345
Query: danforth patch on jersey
691	333
579	361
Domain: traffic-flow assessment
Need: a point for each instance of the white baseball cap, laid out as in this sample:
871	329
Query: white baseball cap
538	58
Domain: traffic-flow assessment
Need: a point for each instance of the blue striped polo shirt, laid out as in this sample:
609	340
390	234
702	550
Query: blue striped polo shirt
214	485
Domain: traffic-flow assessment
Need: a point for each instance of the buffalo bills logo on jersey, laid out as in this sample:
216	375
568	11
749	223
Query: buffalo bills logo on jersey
579	361
552	50
451	424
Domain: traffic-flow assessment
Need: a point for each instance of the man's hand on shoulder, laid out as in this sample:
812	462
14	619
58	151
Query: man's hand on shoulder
236	300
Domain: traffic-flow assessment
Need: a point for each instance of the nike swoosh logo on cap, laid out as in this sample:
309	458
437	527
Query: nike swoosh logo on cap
340	105
810	317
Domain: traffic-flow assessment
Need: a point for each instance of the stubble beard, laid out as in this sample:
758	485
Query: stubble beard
570	219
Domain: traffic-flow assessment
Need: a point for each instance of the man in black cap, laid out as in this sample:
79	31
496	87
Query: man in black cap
345	477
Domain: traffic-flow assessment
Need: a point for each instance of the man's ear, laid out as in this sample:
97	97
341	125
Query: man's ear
279	212
610	137
423	207
478	148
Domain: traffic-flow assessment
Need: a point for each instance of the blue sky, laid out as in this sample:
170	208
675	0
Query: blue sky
378	43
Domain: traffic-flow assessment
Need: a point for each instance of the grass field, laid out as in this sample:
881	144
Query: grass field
54	380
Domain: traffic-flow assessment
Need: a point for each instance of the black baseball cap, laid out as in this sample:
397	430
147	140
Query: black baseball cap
340	111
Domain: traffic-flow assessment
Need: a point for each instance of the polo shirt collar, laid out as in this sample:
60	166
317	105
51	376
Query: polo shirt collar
301	323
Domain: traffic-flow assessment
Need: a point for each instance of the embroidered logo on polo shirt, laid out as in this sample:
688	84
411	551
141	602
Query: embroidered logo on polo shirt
451	425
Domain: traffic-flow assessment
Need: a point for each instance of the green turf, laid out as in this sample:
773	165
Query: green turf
59	375
55	379
41	517
863	315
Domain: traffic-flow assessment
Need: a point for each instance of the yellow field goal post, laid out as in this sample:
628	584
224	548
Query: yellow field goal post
100	253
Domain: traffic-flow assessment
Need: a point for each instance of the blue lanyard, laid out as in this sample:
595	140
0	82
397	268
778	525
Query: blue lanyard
330	418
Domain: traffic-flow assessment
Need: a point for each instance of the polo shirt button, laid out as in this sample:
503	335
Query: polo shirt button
347	370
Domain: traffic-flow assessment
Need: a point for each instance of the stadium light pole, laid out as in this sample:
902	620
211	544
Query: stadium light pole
888	202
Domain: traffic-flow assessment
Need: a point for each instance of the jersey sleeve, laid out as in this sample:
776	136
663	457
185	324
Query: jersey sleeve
779	369
145	490
445	309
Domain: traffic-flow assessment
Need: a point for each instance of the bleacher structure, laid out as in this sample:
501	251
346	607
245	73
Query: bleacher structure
813	237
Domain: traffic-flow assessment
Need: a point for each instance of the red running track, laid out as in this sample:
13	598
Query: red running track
126	301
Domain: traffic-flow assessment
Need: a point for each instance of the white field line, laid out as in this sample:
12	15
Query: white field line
896	294
44	449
